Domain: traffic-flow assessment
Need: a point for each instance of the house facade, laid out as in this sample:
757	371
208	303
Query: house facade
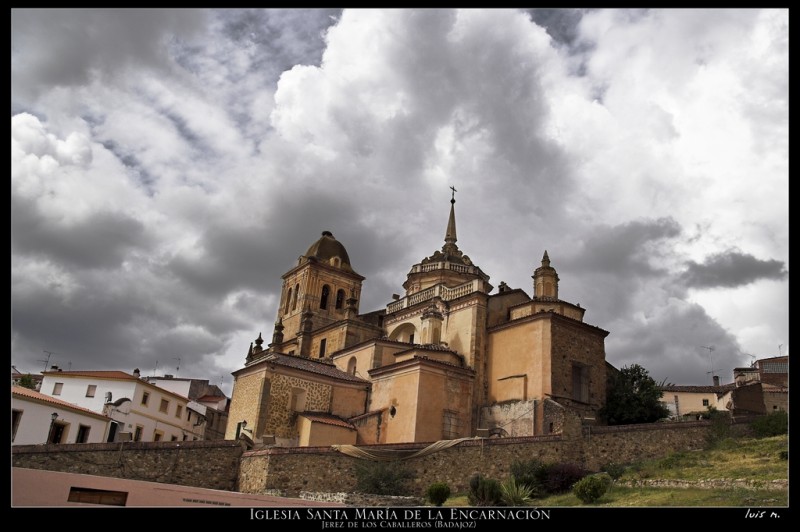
138	410
37	418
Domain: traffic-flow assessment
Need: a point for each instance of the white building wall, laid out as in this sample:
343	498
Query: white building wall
34	424
74	389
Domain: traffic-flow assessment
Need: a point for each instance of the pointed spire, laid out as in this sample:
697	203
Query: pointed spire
545	259
450	234
259	340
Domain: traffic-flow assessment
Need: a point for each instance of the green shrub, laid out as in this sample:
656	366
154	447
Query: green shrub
382	478
484	491
438	492
561	477
783	455
720	429
774	424
531	473
514	494
591	488
615	471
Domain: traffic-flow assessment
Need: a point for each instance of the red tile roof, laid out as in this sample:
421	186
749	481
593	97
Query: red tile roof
327	419
306	364
21	391
121	375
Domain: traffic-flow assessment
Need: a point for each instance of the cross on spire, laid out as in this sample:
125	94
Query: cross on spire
453	199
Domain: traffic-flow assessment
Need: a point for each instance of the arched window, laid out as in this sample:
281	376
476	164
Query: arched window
351	366
339	298
294	297
323	301
288	302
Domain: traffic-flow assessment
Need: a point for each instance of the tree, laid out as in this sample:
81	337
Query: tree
633	397
26	381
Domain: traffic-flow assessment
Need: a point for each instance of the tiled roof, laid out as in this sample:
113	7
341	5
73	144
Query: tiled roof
121	375
699	389
312	366
211	398
327	419
21	391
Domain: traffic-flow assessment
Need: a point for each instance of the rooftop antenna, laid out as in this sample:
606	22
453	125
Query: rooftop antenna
155	368
47	360
779	349
710	359
177	369
752	362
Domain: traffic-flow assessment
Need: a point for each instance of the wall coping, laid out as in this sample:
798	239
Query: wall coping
476	442
122	446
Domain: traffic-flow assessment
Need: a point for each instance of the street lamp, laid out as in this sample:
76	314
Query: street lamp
53	418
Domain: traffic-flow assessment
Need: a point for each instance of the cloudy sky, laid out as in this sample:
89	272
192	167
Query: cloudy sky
168	166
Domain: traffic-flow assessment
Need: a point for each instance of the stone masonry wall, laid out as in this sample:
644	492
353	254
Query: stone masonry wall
322	469
202	464
224	465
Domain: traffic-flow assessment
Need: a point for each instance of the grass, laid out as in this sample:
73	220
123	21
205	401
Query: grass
751	459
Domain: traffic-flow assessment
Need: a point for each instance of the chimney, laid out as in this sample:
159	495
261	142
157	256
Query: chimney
716	380
136	373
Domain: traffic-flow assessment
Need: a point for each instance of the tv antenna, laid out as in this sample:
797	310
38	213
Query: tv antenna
47	360
710	359
155	368
779	350
178	368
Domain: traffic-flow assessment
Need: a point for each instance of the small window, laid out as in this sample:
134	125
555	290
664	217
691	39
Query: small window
173	438
411	338
322	345
83	434
339	298
57	388
287	306
188	415
294	296
164	406
90	390
137	435
178	410
705	402
323	301
157	435
145	398
16	416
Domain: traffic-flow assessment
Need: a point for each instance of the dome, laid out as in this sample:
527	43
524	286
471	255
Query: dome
330	251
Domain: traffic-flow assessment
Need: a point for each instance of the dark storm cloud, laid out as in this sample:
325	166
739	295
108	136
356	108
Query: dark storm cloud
63	47
101	240
625	250
668	343
561	23
731	269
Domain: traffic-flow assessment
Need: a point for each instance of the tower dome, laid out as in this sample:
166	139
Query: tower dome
328	250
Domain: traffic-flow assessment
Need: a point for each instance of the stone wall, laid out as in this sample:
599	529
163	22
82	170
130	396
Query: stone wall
322	469
202	464
292	471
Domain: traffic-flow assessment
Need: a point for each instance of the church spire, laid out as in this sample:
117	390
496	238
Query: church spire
450	234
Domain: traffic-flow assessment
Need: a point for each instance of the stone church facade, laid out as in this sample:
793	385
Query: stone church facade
448	359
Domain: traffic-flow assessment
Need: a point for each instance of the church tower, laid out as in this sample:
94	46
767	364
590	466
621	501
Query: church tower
545	280
321	289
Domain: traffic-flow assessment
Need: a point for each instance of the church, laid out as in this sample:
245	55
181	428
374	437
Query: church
449	359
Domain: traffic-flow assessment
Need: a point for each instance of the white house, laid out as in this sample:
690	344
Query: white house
140	411
37	418
208	400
